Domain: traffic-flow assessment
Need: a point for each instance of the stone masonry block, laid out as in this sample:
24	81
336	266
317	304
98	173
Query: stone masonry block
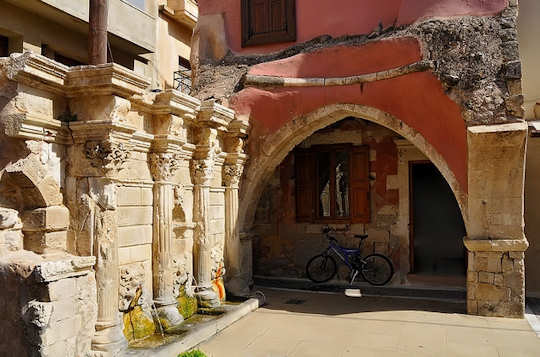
134	235
472	307
494	263
64	308
134	254
129	196
46	219
488	292
38	242
519	266
517	255
507	264
471	266
471	291
147	196
498	280
11	240
485	277
514	86
472	276
132	216
61	289
481	262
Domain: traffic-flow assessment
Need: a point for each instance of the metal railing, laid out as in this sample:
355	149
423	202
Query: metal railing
182	81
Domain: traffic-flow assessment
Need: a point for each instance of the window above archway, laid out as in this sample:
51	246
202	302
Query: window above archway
268	21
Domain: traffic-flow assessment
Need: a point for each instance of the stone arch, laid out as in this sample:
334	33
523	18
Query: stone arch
26	188
275	148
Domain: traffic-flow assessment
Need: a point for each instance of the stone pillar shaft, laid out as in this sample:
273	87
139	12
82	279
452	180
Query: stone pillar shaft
108	336
161	246
203	265
162	166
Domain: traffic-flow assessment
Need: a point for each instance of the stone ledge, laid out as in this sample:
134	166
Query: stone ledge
64	267
496	245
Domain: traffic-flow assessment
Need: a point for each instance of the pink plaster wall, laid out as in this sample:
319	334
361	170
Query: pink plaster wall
347	17
417	99
345	61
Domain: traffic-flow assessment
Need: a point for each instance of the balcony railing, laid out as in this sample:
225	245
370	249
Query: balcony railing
182	81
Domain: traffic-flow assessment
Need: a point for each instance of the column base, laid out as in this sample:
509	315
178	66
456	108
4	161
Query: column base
168	315
108	339
207	298
496	277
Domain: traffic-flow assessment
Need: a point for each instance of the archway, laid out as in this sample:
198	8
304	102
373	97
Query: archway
275	147
32	199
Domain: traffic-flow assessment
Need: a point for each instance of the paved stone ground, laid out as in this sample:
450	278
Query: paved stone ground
299	324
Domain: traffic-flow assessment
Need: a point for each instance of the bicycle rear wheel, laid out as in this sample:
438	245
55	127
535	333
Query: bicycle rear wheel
321	268
377	270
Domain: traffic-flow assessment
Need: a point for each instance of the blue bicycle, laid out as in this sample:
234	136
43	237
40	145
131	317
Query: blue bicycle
376	268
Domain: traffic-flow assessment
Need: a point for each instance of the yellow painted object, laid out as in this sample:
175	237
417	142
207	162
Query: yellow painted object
187	305
137	323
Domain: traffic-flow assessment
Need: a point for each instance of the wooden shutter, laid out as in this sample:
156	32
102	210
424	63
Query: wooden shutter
268	21
359	175
305	177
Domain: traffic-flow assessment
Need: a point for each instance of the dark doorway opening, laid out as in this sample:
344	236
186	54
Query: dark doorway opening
437	227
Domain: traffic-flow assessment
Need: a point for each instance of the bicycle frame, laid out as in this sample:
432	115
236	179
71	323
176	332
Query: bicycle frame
343	253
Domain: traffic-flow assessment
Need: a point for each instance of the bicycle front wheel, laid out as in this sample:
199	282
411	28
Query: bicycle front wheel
321	268
377	269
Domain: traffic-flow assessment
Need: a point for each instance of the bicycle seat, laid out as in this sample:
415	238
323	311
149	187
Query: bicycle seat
361	236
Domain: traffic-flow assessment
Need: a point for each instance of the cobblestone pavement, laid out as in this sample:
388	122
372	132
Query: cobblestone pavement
296	324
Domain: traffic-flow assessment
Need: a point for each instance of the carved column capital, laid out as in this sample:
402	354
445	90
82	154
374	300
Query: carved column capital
163	165
201	171
106	155
232	174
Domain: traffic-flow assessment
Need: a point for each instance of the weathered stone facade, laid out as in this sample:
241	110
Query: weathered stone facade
135	184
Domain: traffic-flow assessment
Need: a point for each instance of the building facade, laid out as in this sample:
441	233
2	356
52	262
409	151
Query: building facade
120	191
399	113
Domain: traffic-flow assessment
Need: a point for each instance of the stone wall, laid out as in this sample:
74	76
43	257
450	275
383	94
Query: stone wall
48	307
283	247
144	185
495	280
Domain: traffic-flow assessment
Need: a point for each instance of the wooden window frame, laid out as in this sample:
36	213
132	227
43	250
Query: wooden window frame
315	216
289	35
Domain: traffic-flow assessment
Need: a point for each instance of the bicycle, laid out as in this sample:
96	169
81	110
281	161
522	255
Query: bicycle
375	268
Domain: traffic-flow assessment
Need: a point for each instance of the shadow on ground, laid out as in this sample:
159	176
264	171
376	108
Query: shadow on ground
332	304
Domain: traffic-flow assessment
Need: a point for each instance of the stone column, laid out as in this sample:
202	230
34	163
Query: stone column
233	250
108	336
496	240
162	166
202	174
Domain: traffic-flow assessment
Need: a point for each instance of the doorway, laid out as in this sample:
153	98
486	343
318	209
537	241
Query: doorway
436	226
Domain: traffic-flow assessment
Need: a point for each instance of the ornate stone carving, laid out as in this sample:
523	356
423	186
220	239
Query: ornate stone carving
163	165
232	174
106	155
234	144
201	171
131	278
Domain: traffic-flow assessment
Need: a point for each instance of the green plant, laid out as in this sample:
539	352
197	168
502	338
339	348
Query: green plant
192	353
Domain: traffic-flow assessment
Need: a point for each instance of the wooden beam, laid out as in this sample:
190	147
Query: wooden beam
97	32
